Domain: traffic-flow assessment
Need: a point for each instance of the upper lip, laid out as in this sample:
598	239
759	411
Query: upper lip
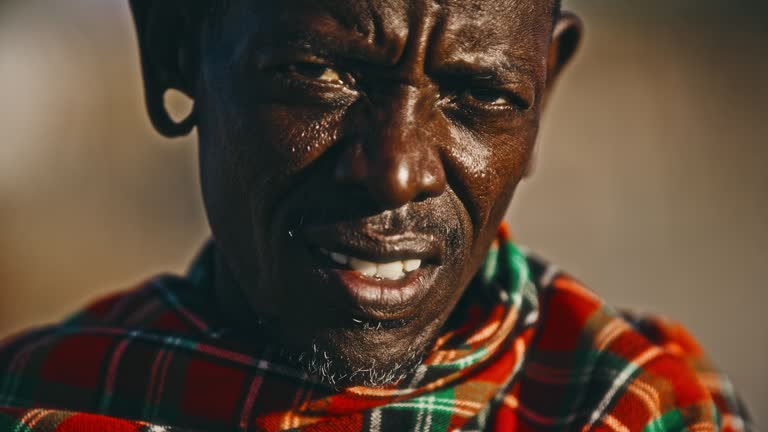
371	245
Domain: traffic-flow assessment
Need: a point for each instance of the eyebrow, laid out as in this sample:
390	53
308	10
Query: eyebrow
323	45
498	73
354	48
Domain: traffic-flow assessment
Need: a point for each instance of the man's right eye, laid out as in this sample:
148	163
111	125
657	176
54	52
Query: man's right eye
314	71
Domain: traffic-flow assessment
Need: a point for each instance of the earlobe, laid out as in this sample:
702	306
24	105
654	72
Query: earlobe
566	38
161	30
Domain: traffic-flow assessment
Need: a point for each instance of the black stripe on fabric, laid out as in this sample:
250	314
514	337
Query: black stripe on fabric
398	420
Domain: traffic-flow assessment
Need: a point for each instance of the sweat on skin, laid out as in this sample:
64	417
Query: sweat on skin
356	160
356	157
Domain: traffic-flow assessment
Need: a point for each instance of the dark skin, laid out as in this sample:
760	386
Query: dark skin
385	130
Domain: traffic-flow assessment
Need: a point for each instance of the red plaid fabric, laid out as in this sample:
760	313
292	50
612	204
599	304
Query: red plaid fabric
533	350
46	420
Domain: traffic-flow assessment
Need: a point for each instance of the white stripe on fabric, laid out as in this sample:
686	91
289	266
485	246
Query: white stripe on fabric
375	421
634	365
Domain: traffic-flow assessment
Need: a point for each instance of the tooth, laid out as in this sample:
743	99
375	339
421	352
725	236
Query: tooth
392	270
365	267
411	265
339	258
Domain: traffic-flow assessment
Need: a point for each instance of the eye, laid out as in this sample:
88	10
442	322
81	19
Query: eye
315	71
489	96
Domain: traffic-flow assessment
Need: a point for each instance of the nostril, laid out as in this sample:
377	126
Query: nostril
423	197
352	166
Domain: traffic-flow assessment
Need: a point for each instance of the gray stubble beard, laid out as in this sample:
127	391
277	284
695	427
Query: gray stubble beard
338	373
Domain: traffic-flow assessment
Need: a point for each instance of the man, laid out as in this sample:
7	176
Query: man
357	159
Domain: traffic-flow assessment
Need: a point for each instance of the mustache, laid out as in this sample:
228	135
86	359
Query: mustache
316	201
429	217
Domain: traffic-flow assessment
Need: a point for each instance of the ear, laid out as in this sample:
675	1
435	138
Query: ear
566	38
165	31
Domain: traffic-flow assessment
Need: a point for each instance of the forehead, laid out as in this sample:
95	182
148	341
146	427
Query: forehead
512	27
399	10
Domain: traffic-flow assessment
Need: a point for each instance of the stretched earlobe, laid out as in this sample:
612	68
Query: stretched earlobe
163	36
161	118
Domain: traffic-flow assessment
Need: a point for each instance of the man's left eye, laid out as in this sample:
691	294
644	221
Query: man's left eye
317	72
490	96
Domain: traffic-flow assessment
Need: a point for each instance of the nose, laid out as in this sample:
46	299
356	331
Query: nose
395	155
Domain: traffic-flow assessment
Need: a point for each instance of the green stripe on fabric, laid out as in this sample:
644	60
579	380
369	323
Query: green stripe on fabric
519	283
441	420
432	412
522	290
8	423
519	273
465	361
21	390
716	415
490	265
671	420
105	403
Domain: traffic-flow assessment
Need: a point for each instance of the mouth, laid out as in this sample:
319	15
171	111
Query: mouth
393	270
384	277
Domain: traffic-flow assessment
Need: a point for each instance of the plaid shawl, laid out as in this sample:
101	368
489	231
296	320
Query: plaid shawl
534	350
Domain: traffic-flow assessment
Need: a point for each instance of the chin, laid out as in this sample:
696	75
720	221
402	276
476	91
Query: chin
370	355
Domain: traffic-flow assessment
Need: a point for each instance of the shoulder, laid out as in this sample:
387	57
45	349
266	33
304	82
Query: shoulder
104	312
161	304
156	303
47	420
57	365
610	369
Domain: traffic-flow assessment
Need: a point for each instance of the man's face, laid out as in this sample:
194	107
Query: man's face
357	158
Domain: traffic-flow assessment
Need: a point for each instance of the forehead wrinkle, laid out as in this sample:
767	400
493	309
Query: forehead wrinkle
356	16
378	22
500	35
495	50
498	7
505	36
362	29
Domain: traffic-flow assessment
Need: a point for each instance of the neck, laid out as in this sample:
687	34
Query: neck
230	298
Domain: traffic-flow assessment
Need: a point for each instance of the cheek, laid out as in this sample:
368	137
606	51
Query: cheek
264	147
262	139
291	138
509	165
488	163
251	156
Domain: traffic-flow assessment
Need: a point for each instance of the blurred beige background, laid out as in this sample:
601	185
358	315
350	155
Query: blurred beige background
652	182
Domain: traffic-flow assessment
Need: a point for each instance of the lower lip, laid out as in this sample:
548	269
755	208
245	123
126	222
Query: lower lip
383	299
